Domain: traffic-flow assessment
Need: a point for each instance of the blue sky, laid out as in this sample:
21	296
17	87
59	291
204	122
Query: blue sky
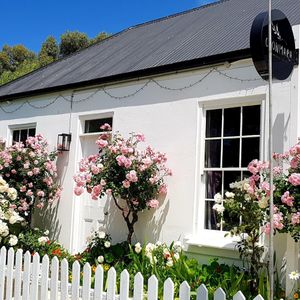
29	22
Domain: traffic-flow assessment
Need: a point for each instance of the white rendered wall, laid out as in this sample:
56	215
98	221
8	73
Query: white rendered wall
171	122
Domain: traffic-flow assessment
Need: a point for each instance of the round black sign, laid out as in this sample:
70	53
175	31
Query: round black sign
283	45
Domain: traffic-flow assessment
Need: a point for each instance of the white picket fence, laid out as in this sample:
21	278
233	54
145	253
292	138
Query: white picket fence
24	277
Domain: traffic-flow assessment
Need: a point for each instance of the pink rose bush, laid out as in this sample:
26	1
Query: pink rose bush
132	178
248	203
30	168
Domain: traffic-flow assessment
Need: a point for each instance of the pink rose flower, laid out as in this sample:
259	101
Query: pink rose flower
295	218
78	190
40	194
287	199
153	203
131	176
294	179
101	143
126	184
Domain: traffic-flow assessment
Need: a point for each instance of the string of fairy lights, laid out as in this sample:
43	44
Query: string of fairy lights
73	100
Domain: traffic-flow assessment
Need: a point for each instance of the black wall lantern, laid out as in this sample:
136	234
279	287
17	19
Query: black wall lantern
64	142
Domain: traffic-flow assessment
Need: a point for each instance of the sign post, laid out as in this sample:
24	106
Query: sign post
270	65
274	55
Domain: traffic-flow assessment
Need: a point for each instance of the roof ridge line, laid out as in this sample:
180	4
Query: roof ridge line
178	14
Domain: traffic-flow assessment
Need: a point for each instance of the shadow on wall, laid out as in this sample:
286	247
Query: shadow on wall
47	218
147	229
280	133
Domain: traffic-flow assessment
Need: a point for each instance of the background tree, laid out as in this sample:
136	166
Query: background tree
99	37
71	42
49	51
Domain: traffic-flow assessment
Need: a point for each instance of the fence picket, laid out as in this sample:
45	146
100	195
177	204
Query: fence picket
168	289
124	285
2	271
98	289
18	274
35	277
184	291
44	277
9	273
111	284
26	275
258	297
75	280
202	292
54	278
138	291
152	288
86	289
219	294
64	280
239	296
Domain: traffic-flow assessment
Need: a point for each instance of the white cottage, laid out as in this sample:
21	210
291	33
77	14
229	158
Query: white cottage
188	83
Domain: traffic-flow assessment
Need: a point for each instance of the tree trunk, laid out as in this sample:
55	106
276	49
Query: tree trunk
130	224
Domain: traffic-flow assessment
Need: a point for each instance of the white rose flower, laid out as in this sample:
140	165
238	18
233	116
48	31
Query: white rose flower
101	234
169	262
15	218
46	232
13	240
12	193
229	195
107	244
4	188
138	248
158	244
219	208
43	240
3	229
100	259
218	198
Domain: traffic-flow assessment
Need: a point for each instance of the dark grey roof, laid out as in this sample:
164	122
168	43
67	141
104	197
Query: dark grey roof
198	36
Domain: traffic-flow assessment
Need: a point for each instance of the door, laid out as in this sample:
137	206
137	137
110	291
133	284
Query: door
91	212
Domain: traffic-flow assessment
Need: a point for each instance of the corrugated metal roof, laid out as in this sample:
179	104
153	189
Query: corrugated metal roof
210	30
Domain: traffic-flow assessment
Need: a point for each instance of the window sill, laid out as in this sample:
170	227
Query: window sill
213	239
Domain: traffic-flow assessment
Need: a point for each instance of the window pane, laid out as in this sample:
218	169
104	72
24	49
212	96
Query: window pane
231	152
250	150
213	183
213	123
251	120
24	135
232	121
212	153
229	177
211	218
246	174
31	132
94	125
16	136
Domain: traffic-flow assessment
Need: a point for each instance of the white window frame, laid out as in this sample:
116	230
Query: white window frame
89	117
15	127
208	237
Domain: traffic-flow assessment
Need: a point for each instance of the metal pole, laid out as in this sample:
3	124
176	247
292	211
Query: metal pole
271	244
